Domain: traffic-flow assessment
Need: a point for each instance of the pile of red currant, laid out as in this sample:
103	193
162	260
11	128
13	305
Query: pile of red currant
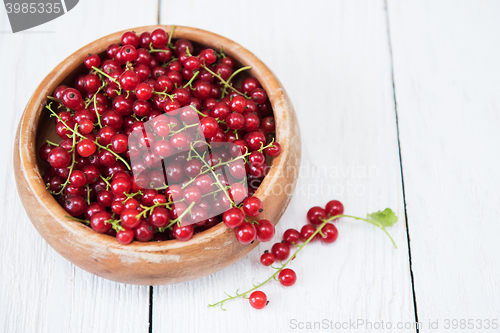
157	143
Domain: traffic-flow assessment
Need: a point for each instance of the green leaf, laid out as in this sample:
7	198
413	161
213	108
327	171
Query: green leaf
385	218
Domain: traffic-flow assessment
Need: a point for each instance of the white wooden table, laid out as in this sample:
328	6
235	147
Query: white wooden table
399	106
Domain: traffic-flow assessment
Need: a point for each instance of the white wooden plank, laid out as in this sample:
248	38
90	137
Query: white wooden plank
447	82
333	58
39	290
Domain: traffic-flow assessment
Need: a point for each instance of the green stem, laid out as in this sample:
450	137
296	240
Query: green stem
82	136
300	247
169	43
73	160
109	77
191	80
224	82
52	143
214	174
199	112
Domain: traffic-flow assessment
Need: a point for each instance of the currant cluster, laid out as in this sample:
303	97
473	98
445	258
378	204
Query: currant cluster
318	228
157	143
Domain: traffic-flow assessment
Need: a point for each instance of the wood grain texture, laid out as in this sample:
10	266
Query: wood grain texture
39	290
333	58
447	82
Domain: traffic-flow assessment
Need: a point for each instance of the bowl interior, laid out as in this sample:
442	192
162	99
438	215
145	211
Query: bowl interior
45	129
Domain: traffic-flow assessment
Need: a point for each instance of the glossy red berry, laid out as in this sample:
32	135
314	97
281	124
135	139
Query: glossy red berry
291	237
209	127
281	251
258	300
125	236
92	60
265	231
183	233
130	218
159	38
334	208
267	258
233	217
316	215
143	91
71	98
306	232
129	80
144	232
86	147
75	205
252	206
330	233
99	222
273	150
59	158
246	233
287	277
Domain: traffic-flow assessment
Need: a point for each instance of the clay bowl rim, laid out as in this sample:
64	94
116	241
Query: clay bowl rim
29	123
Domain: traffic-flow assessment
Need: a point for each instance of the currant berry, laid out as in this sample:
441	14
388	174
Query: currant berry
99	222
130	218
267	258
330	233
258	300
274	150
144	232
291	237
86	147
233	218
183	233
265	231
159	38
287	277
246	233
59	158
92	60
71	98
75	205
306	232
125	236
252	206
316	215
334	208
281	251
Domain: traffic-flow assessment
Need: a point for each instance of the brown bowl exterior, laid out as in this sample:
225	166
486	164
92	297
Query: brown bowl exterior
153	263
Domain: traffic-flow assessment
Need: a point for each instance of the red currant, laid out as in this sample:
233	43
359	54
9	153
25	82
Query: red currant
258	300
287	277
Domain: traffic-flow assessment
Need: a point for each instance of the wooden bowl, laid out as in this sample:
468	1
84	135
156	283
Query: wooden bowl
153	263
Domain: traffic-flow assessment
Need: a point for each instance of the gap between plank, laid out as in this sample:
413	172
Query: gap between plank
151	289
151	309
401	162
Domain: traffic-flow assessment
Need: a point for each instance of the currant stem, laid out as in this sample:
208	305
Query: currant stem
215	175
375	224
169	43
224	82
73	160
80	135
300	247
224	92
109	77
191	80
